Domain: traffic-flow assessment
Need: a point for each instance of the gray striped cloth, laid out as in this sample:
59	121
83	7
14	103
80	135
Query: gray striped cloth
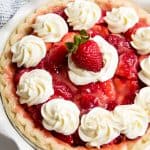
8	9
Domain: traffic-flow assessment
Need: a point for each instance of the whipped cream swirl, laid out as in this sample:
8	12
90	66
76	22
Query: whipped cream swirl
51	27
121	19
143	99
81	76
132	119
141	40
82	14
144	74
35	87
97	127
29	51
61	116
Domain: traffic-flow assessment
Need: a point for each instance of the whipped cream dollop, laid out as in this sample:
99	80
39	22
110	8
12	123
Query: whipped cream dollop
143	99
81	76
50	27
144	74
141	40
97	127
29	51
132	119
82	14
61	116
35	87
121	19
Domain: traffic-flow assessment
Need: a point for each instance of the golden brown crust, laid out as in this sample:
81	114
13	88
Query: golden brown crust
10	101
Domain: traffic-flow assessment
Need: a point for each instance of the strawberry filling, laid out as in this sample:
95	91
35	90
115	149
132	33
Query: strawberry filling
121	89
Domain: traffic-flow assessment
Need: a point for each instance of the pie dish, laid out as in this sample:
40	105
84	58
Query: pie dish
29	115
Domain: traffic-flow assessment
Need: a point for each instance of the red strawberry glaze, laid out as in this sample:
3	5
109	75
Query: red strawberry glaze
121	44
128	65
119	90
141	23
99	30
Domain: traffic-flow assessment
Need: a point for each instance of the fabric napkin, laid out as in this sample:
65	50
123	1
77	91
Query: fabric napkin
8	9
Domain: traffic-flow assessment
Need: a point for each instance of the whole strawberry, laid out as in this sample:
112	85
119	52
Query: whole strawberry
86	53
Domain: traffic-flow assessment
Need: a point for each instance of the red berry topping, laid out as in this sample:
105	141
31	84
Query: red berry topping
55	57
109	90
127	67
63	90
126	90
66	138
88	101
69	37
99	30
121	44
88	56
140	24
101	94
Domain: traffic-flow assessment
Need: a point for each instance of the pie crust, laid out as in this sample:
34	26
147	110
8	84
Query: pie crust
18	117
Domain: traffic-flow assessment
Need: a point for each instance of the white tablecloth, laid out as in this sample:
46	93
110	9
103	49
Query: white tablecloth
5	126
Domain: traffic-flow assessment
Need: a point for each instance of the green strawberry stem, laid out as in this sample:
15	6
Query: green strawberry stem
78	39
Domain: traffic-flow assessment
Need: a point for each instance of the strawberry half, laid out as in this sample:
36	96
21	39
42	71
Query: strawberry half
85	53
128	64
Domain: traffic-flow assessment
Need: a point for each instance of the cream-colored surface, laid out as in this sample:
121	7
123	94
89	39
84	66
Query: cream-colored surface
98	127
28	52
60	115
144	74
132	120
143	99
32	88
141	40
50	27
120	19
16	114
82	14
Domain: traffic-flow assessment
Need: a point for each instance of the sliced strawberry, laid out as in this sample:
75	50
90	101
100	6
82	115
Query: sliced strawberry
88	56
103	93
109	89
69	37
88	101
55	58
127	67
57	54
126	90
121	44
66	138
63	90
141	23
99	30
62	77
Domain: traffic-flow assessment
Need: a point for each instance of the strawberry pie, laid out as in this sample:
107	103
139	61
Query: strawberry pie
75	75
